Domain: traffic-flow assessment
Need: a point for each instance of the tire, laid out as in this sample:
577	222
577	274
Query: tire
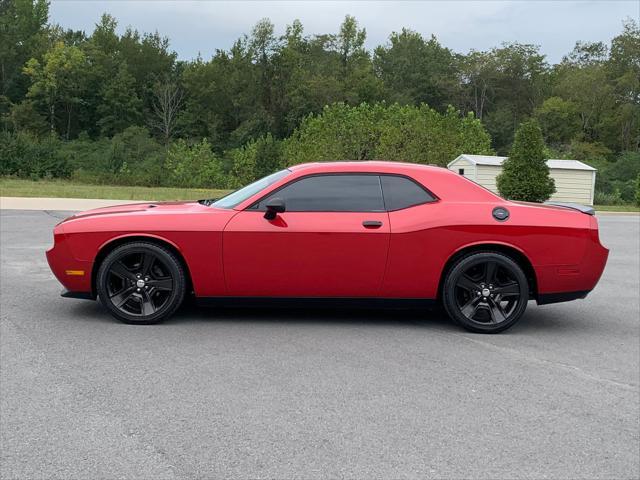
485	292
141	283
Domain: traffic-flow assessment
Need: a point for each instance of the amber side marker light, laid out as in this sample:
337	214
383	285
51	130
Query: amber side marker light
74	273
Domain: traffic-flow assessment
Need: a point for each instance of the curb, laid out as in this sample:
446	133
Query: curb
611	212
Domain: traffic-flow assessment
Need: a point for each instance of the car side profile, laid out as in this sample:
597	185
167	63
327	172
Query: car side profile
377	233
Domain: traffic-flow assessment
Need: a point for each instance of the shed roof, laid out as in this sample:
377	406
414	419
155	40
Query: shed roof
497	161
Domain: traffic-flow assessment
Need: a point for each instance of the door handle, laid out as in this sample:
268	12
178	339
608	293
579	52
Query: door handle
371	224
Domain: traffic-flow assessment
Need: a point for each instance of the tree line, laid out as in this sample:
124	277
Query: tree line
122	108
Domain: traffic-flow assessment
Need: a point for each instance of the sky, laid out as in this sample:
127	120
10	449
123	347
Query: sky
203	26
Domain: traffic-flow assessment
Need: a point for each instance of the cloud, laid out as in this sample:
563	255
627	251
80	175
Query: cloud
194	26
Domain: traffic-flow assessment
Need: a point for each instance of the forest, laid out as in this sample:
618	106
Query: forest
104	107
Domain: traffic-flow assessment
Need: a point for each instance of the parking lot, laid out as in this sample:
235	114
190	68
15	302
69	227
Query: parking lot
284	394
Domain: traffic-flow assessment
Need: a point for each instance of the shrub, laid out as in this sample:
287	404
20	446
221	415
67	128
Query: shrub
602	198
242	162
194	166
23	155
367	132
268	156
255	160
132	157
525	174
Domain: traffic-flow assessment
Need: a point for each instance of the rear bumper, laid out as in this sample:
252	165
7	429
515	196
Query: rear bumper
561	283
546	298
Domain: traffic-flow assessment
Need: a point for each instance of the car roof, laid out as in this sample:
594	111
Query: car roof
442	182
373	166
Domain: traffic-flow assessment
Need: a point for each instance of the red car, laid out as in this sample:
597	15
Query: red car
378	233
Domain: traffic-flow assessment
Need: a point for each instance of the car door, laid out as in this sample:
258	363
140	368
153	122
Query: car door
331	241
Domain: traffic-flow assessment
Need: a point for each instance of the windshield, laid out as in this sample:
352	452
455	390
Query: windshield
241	195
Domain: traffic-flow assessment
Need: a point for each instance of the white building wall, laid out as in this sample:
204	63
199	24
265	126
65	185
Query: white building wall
486	176
573	185
469	168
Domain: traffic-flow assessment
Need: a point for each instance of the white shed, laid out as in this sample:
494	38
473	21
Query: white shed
575	181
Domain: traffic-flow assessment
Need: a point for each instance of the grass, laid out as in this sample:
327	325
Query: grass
617	208
13	187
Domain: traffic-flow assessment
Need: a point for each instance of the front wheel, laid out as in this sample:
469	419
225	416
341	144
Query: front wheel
485	292
141	283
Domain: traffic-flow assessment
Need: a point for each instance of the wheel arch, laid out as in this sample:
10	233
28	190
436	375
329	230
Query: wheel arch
111	244
509	250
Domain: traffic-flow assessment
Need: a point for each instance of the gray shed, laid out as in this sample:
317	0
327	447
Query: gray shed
575	181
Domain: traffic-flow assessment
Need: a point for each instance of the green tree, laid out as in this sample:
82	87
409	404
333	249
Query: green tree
415	71
559	120
525	174
121	107
268	156
349	43
194	165
263	44
22	34
340	132
622	128
58	81
24	155
243	164
404	133
478	73
422	135
25	118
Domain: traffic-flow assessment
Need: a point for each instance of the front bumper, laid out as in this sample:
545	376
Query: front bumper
80	295
73	274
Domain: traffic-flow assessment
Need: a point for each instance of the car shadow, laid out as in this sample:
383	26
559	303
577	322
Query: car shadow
536	320
326	315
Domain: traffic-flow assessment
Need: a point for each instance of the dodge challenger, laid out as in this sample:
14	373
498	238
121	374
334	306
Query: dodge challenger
374	233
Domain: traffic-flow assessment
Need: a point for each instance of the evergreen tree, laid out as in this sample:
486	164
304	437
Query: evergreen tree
525	174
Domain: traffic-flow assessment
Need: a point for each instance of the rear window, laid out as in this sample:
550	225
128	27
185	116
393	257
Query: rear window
402	192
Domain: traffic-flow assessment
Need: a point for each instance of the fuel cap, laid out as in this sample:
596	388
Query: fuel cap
500	214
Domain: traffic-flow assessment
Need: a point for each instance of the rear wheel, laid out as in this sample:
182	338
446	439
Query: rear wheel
141	283
485	292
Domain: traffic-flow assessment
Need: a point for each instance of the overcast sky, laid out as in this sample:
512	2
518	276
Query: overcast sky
201	26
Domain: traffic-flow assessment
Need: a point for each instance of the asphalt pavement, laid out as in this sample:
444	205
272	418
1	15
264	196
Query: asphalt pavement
314	394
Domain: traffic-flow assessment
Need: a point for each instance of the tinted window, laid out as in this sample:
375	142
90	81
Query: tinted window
400	192
332	193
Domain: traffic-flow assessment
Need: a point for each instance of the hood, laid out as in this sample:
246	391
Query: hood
132	208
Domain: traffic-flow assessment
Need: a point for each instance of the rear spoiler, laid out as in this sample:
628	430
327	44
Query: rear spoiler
574	206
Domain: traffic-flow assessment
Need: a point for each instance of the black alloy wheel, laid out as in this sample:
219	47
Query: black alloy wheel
486	292
141	283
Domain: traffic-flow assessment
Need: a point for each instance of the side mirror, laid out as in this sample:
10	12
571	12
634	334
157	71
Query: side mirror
274	207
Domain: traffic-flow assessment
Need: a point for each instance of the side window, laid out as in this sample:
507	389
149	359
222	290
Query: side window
400	192
331	193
